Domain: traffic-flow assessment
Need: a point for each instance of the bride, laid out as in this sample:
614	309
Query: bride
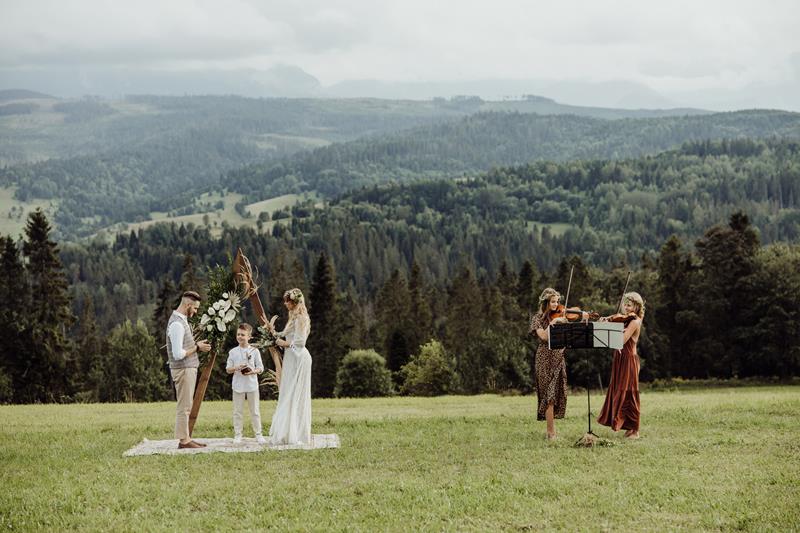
291	423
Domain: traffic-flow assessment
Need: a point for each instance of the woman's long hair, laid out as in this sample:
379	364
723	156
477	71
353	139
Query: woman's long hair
299	312
638	303
544	299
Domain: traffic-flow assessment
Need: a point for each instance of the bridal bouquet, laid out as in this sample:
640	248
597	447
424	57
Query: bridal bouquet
266	337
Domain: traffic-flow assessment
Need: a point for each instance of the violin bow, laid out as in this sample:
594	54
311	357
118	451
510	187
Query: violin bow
569	285
622	299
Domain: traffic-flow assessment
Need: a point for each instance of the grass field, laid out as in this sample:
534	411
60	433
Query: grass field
227	214
14	214
557	229
708	459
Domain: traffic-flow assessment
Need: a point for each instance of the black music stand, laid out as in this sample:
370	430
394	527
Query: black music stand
572	335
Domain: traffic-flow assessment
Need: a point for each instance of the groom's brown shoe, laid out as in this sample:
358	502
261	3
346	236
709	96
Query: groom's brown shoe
199	444
190	444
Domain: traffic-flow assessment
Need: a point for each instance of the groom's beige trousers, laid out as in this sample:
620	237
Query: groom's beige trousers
184	379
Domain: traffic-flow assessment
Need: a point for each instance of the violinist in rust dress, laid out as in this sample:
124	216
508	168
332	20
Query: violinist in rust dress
621	409
551	370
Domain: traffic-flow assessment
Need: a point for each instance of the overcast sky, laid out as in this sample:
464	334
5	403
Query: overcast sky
673	47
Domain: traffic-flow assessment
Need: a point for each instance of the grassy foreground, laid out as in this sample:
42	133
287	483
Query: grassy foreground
715	459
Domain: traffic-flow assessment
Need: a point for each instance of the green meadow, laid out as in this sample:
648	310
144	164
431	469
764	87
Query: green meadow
708	459
214	218
14	214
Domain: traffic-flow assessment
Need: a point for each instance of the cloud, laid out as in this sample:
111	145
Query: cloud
41	32
679	45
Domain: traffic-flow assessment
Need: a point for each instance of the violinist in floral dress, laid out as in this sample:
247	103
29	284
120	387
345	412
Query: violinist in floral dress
551	370
622	409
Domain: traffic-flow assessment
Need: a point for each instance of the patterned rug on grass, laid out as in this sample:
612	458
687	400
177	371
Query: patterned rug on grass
170	447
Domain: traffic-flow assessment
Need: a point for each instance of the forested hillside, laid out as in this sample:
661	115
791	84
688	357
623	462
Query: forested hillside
158	153
112	161
606	212
480	142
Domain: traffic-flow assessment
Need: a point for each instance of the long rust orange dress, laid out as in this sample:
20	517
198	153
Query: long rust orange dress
621	409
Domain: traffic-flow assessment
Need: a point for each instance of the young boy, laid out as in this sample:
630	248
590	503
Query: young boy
244	362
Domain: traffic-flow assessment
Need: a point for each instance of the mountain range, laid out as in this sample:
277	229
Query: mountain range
293	81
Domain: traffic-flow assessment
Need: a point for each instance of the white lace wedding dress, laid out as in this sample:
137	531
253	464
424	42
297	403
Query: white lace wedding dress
291	423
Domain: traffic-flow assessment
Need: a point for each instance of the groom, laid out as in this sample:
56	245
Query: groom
183	362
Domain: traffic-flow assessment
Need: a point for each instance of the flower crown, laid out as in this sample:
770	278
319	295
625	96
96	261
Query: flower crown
548	293
295	295
635	298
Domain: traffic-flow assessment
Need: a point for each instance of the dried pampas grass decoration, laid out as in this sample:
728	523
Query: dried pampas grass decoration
270	380
246	278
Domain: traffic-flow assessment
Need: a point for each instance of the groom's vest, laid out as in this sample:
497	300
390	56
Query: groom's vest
190	361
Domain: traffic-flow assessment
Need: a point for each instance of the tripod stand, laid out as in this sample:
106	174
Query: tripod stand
588	408
603	335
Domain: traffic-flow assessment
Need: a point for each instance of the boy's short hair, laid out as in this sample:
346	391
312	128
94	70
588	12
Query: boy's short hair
247	327
191	295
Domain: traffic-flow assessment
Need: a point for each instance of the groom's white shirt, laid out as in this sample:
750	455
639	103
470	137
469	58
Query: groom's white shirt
176	332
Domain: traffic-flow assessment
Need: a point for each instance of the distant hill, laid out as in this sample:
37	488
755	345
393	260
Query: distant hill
625	95
547	106
8	95
111	161
485	140
118	160
604	211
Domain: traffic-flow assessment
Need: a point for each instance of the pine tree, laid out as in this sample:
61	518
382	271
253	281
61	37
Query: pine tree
132	370
324	342
582	283
14	320
728	266
527	290
464	326
675	313
421	318
393	315
190	280
507	286
287	273
165	304
51	316
353	325
92	346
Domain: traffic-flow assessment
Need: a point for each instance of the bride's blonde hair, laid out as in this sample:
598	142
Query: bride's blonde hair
299	312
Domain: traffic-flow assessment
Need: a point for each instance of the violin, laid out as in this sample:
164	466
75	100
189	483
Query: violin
621	318
573	314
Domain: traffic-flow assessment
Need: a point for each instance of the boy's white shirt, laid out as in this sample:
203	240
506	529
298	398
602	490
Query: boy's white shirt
244	382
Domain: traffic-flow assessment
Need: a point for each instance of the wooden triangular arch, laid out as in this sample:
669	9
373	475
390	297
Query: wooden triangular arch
244	278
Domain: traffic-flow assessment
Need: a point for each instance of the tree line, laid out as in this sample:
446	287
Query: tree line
725	307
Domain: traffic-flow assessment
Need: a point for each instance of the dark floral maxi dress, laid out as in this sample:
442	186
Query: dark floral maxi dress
551	374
